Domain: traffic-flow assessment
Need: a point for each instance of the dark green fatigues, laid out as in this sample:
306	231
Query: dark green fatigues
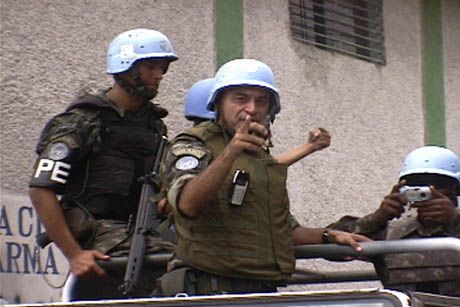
93	154
435	272
232	249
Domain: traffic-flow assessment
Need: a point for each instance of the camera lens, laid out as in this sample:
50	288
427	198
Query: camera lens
423	195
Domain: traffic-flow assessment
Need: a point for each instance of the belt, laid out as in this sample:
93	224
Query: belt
205	283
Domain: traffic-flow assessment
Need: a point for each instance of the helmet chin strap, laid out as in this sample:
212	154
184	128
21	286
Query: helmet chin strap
271	110
271	114
138	89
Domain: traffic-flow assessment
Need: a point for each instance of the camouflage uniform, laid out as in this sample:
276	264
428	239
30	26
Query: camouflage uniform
92	154
228	248
433	272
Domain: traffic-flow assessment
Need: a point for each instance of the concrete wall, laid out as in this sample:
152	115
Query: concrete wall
52	49
373	112
451	24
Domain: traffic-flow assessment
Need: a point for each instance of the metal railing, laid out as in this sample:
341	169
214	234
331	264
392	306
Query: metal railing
329	252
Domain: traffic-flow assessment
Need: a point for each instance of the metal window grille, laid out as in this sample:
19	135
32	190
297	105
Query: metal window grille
351	27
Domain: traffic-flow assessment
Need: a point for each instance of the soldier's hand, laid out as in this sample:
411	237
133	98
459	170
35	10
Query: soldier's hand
320	138
83	263
249	136
439	210
392	205
347	238
163	207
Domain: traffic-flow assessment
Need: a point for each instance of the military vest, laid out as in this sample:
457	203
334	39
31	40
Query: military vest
252	241
107	180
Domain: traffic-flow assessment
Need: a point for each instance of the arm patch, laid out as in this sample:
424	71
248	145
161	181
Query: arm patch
65	141
186	155
185	163
196	152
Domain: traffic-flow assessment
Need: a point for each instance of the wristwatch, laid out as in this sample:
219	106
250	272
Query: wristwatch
325	236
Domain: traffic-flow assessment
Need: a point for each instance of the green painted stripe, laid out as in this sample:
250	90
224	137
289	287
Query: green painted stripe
229	30
433	73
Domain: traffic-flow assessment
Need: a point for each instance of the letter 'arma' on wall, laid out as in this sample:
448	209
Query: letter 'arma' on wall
21	259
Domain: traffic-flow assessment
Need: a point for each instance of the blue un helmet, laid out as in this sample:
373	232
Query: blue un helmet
196	98
432	160
132	46
245	72
138	44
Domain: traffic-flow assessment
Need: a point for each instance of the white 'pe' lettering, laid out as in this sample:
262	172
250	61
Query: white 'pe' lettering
59	170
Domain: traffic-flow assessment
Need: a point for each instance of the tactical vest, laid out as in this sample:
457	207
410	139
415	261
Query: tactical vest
107	180
252	241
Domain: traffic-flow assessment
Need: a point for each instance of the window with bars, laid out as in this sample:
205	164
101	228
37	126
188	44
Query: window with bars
351	27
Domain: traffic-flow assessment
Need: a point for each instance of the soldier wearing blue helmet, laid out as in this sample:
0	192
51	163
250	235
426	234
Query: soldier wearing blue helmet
196	110
250	73
228	194
422	204
195	101
131	50
85	184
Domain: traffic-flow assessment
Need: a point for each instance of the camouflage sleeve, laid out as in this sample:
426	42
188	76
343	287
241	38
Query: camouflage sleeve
185	158
454	229
365	225
66	139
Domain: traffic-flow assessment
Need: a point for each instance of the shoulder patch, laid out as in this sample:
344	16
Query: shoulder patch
58	151
186	163
188	151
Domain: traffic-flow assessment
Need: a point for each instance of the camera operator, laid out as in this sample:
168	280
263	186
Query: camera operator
422	204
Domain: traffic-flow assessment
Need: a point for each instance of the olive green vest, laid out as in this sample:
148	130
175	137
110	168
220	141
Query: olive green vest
251	241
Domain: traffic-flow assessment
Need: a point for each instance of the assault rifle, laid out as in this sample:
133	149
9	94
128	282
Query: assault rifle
146	222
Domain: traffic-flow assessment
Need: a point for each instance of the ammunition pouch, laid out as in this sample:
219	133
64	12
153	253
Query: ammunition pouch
195	282
81	223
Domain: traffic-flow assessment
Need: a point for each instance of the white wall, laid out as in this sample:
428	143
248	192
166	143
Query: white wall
451	36
373	112
49	51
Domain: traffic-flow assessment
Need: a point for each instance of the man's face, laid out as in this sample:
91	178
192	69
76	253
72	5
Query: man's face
238	102
151	72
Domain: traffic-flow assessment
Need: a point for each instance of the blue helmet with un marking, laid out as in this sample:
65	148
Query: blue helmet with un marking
245	72
432	160
196	98
138	44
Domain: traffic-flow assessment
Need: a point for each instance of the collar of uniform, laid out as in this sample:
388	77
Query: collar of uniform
215	127
122	111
